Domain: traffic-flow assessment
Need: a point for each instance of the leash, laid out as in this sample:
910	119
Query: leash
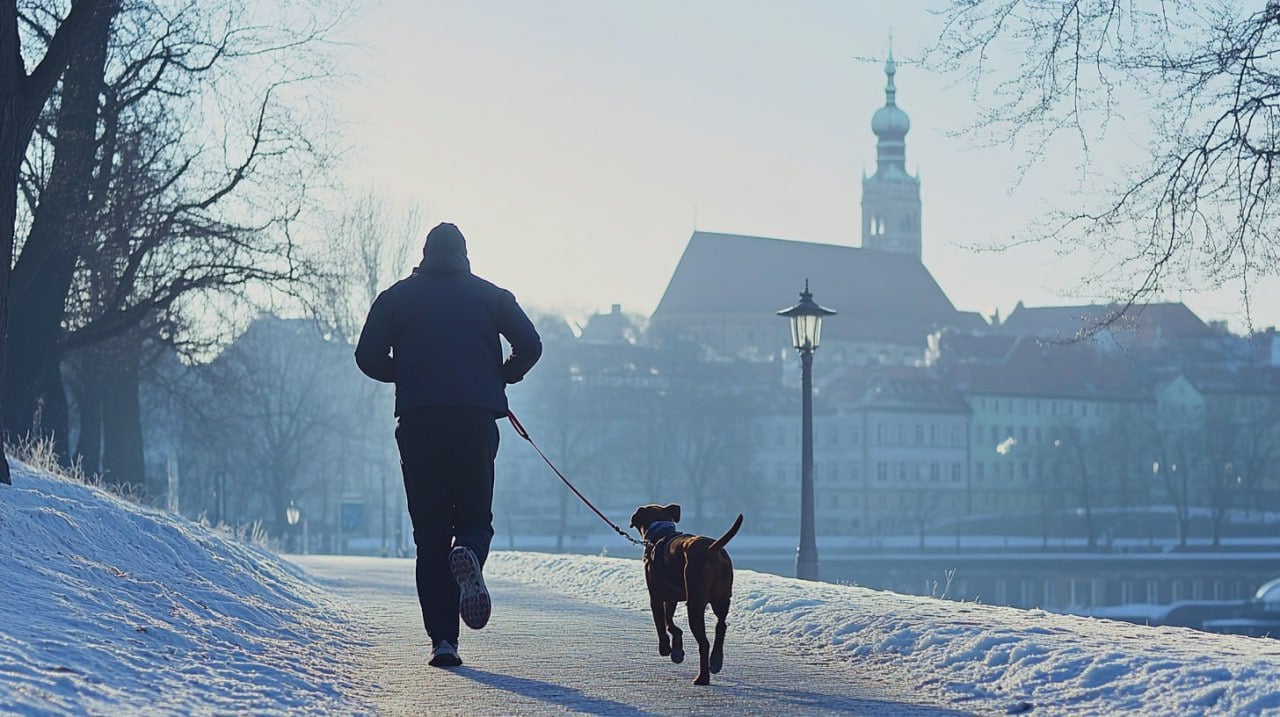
515	423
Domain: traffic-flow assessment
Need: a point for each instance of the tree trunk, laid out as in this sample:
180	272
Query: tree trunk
54	412
44	271
89	403
122	455
21	97
14	135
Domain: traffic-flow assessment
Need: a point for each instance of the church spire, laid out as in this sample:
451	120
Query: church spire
891	125
890	69
891	196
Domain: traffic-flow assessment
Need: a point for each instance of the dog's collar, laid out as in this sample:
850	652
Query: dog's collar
660	530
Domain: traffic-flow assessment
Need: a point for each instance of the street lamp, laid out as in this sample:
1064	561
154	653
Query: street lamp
293	514
806	332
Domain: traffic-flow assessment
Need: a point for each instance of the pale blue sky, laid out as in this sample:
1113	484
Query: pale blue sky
578	143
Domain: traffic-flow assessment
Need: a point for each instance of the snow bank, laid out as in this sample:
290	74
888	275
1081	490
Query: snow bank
111	608
976	657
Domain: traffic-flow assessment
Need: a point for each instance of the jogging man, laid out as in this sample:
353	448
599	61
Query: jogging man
435	335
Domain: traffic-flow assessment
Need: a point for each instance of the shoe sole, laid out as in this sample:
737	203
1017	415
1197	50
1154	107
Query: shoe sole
446	661
474	605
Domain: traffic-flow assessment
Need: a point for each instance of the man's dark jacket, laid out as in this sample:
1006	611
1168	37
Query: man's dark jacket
435	335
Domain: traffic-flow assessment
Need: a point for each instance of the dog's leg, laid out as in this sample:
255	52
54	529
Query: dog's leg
660	620
677	637
698	624
721	609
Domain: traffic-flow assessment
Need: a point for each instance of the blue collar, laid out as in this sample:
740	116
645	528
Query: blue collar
660	530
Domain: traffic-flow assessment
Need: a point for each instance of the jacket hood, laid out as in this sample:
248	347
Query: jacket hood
445	251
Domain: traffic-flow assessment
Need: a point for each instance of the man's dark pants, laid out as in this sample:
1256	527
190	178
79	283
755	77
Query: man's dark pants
446	455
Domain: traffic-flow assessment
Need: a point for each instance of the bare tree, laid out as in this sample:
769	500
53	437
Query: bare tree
1239	445
283	397
371	243
22	96
1200	206
571	419
160	205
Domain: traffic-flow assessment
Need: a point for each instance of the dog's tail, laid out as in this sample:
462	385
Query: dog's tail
724	539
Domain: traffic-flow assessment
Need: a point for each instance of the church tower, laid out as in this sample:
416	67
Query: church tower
891	197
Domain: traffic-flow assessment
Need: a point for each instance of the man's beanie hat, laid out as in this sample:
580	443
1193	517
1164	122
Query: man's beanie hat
445	239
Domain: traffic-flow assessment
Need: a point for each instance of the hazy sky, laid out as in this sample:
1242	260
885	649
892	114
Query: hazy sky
578	143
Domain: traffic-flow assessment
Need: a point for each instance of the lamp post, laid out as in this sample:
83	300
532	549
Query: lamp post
806	332
293	514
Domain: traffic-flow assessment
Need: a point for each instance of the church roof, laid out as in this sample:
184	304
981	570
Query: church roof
879	295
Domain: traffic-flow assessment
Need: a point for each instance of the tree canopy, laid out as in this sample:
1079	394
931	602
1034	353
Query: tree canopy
1202	80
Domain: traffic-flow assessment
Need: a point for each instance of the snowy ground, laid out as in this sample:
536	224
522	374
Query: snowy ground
983	658
112	609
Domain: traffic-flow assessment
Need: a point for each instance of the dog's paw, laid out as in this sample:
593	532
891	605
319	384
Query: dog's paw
715	663
664	649
702	679
677	655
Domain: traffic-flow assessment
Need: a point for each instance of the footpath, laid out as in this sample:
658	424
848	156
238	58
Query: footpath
548	654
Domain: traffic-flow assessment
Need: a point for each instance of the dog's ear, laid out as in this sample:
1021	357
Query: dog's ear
635	519
674	510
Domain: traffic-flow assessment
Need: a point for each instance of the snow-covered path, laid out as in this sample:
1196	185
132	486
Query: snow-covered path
545	653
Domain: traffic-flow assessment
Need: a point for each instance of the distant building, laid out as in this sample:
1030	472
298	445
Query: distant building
891	196
914	458
1045	416
614	327
727	287
1144	326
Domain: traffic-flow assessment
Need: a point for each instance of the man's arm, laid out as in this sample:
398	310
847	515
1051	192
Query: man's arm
373	352
526	345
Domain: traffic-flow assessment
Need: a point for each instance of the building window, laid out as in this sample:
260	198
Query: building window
955	473
882	471
935	473
978	470
919	434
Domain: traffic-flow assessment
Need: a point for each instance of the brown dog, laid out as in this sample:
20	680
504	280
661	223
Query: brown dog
689	568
